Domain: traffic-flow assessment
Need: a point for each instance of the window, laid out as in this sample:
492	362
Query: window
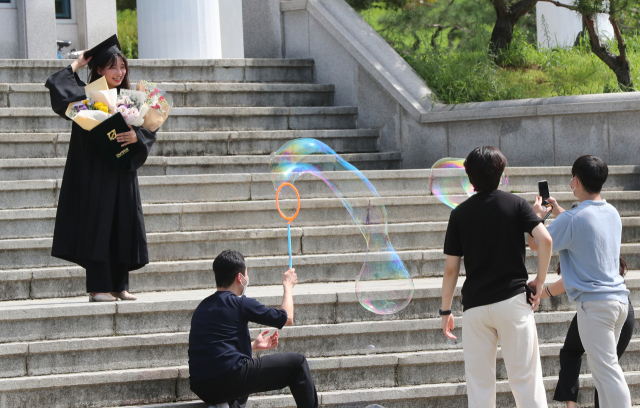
63	9
5	1
7	4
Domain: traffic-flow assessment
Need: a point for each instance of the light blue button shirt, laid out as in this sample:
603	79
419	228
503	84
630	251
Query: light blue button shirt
588	238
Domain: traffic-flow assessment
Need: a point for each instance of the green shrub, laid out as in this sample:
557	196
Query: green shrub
128	32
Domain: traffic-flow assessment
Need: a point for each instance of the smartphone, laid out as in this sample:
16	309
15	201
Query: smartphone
543	191
528	292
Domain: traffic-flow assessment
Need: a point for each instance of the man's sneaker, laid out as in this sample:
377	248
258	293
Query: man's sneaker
223	405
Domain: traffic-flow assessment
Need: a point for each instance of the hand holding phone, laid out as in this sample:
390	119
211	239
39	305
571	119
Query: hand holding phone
543	191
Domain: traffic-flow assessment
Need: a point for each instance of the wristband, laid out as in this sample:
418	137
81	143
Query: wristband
444	312
546	288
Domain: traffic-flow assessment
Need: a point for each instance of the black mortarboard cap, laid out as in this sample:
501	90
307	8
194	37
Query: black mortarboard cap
110	45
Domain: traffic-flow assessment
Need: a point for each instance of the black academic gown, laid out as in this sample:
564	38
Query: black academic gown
96	198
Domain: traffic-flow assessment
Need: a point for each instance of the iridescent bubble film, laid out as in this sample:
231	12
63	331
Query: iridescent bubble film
384	285
450	184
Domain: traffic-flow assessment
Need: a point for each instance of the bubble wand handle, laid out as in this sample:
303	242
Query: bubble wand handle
289	238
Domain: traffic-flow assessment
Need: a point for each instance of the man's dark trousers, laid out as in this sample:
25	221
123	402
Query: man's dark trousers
268	373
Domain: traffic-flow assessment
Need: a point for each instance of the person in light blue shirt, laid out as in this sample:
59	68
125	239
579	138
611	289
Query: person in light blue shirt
588	238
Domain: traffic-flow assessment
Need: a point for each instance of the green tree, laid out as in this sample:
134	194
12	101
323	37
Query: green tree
616	9
444	23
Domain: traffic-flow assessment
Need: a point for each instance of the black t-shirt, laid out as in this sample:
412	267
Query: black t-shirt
487	230
219	341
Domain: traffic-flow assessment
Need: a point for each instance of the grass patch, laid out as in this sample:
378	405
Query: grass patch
128	32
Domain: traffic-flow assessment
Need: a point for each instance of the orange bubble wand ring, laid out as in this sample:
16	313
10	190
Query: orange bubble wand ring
289	219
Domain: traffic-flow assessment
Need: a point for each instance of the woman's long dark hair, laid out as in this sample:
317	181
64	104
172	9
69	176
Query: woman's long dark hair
108	60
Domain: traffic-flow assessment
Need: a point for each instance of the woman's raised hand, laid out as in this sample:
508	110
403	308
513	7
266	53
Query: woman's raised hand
80	62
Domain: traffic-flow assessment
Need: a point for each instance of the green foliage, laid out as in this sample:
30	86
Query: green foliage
125	5
367	4
449	49
629	18
128	32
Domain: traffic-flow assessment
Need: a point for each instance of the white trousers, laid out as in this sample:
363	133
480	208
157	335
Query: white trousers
599	325
512	323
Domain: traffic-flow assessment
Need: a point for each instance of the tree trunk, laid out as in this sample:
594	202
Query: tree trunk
506	19
623	74
502	35
618	64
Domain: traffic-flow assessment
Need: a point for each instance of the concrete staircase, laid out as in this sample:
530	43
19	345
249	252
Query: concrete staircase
206	189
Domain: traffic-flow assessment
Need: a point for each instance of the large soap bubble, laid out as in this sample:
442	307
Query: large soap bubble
450	184
384	285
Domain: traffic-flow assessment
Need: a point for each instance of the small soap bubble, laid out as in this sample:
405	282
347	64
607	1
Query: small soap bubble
384	285
450	184
370	349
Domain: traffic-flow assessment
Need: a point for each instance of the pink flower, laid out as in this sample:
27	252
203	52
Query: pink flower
129	114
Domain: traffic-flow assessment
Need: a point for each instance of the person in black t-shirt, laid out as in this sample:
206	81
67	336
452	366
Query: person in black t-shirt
222	371
488	231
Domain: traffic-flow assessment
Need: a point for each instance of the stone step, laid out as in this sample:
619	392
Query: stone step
66	281
37	223
51	145
328	317
243	187
163	386
39	120
427	395
195	94
376	369
168	70
38	169
345	356
194	245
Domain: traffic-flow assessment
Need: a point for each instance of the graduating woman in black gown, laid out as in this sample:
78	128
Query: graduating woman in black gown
99	222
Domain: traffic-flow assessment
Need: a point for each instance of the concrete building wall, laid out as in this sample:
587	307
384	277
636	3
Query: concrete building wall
30	28
36	29
96	20
262	28
9	38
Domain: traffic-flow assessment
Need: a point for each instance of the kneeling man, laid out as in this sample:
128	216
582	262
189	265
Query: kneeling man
221	368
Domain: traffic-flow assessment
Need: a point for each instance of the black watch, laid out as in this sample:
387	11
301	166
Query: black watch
444	312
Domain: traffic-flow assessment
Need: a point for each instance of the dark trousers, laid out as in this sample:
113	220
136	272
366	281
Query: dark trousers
268	373
112	275
571	359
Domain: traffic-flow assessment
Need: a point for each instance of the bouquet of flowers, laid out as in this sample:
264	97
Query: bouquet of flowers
147	107
159	102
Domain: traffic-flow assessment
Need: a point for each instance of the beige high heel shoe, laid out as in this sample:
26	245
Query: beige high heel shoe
124	295
101	297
